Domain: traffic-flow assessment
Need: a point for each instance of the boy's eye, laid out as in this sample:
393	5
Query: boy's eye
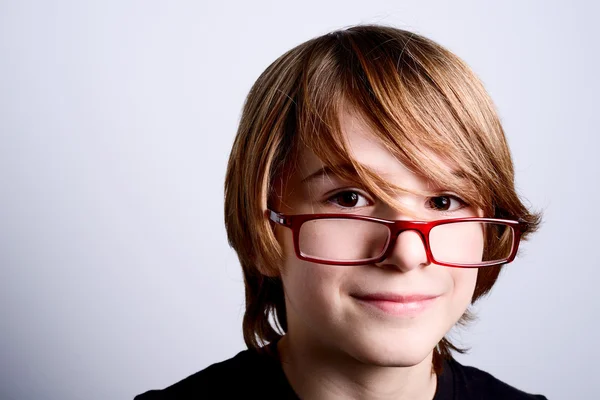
348	199
445	203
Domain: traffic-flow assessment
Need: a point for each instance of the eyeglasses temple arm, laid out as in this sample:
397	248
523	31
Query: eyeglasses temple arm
278	218
523	225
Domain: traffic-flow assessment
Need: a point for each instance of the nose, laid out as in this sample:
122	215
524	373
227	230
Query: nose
406	252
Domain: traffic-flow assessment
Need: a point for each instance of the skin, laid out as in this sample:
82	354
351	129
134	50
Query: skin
336	346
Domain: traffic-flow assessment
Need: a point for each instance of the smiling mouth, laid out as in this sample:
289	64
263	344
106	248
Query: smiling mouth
396	305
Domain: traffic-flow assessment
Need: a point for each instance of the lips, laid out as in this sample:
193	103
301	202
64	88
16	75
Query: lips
398	305
396	298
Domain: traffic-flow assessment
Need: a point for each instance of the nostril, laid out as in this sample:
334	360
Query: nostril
407	251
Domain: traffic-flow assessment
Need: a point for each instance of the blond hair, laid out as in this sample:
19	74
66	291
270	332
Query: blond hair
417	97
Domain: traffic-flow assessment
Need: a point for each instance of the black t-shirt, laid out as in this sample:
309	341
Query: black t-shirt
253	375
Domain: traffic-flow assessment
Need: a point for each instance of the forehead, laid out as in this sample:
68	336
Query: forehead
368	150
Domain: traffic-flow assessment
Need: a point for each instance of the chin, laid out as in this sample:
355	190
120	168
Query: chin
401	351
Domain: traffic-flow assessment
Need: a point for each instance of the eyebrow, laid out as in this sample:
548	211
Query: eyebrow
327	170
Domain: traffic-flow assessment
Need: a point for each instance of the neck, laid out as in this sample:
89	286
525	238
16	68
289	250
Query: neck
315	372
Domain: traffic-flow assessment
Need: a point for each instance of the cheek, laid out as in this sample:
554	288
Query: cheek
464	280
312	296
312	290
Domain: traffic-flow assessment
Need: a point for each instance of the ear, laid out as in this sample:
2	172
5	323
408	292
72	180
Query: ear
260	265
269	273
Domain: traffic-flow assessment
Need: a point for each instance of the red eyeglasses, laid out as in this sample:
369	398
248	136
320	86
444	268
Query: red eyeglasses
345	239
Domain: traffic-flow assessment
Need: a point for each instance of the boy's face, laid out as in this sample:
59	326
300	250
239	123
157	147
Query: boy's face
325	304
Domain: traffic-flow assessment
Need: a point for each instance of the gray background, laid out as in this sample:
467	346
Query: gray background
116	121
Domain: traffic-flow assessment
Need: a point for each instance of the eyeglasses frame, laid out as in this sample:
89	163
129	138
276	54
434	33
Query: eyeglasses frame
395	227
